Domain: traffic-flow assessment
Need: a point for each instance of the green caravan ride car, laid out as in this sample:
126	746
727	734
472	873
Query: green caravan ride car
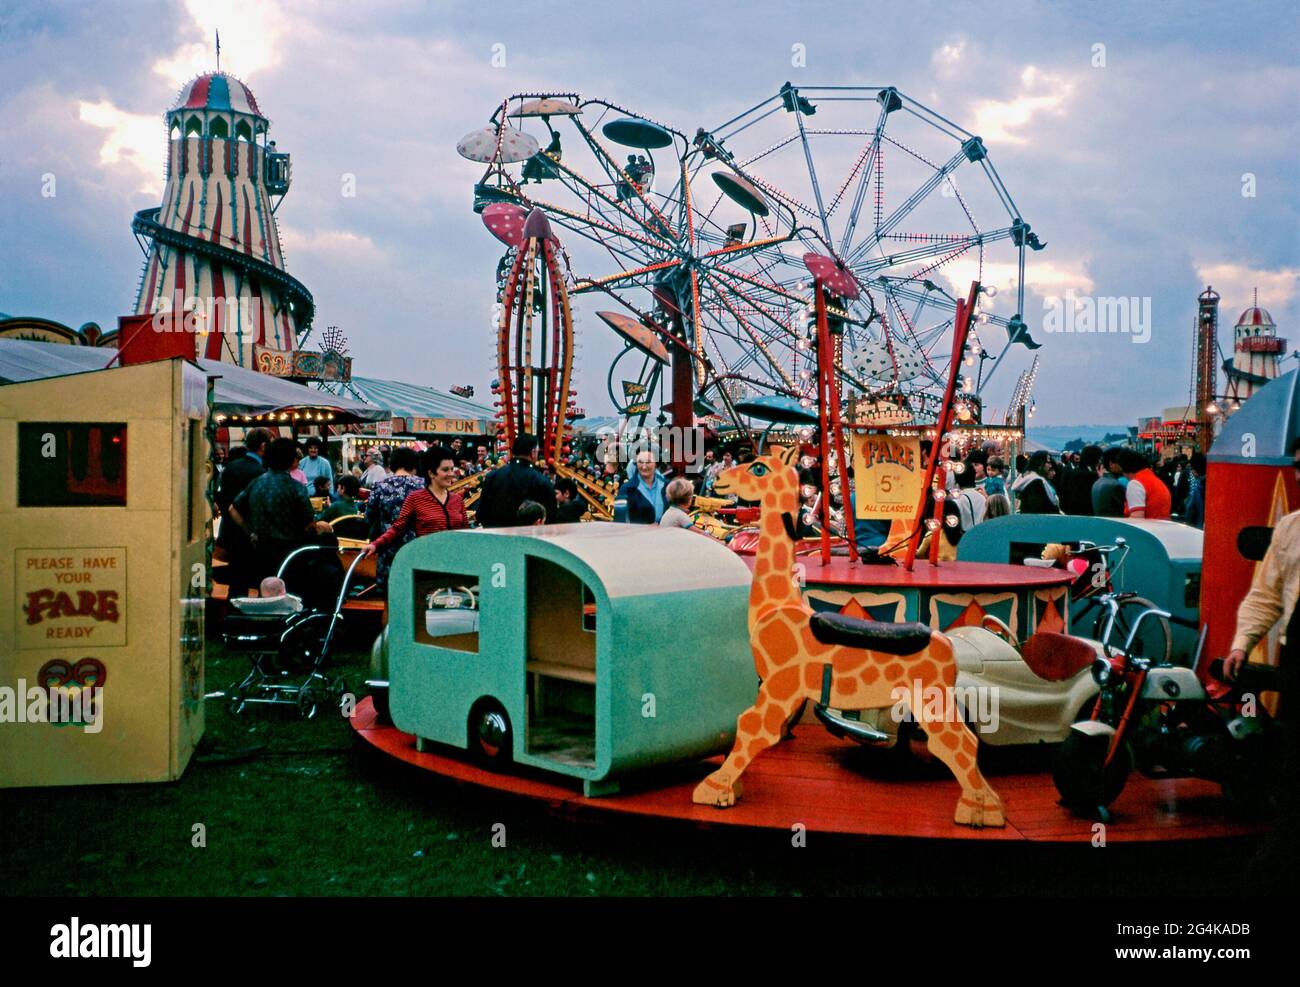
590	650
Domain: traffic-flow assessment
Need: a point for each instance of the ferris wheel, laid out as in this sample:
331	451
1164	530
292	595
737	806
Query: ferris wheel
697	245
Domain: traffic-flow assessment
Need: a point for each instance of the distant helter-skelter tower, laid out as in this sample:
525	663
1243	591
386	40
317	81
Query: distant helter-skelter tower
213	249
1256	351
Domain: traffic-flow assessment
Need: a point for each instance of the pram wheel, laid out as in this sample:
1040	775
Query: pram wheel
306	702
235	703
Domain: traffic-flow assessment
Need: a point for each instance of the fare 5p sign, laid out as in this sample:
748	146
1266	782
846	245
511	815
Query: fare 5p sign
887	472
68	596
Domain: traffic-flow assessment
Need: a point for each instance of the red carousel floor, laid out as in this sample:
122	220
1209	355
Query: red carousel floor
811	779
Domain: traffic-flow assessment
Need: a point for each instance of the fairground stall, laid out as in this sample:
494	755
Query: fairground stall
242	399
422	416
104	515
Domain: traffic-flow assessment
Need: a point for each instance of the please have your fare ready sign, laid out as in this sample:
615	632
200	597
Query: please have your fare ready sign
70	594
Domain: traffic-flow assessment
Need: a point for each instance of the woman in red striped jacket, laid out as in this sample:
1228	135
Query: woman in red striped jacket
435	508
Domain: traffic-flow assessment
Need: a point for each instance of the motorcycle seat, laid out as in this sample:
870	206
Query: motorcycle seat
872	635
1056	657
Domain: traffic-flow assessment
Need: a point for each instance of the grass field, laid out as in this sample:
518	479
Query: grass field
297	808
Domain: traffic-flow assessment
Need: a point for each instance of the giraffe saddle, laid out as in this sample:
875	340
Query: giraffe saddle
873	635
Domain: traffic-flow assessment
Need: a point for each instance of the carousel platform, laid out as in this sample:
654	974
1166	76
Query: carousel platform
822	783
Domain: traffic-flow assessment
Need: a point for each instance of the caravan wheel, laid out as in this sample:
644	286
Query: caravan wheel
490	736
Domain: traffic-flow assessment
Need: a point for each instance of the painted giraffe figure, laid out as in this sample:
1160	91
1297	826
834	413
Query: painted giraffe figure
795	662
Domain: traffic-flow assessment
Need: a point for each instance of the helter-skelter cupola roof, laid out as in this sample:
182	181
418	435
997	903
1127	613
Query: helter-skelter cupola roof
1256	316
219	92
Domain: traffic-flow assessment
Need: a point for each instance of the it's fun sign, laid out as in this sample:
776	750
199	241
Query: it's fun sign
67	596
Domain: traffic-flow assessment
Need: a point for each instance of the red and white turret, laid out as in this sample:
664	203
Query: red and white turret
1256	352
214	247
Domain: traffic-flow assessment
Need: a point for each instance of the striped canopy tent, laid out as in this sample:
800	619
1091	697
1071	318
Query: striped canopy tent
413	402
238	392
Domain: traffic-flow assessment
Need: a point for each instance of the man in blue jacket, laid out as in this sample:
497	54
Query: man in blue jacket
644	498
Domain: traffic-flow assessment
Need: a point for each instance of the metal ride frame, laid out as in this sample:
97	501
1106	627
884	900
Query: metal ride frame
535	399
730	302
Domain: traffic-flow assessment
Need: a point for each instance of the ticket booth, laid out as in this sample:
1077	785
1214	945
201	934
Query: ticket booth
104	519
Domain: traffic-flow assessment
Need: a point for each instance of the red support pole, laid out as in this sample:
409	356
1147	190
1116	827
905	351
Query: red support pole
960	330
682	402
829	395
825	371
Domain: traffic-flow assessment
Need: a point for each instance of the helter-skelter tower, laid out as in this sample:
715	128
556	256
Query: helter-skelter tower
1256	352
214	238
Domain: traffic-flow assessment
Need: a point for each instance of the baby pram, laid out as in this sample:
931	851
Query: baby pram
289	648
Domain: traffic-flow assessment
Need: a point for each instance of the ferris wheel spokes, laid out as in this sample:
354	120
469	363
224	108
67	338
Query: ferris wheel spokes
731	299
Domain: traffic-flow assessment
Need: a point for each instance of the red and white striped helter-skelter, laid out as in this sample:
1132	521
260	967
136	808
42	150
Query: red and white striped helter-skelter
534	333
706	234
214	238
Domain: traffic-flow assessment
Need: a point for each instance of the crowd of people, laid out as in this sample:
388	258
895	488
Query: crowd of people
267	485
1115	482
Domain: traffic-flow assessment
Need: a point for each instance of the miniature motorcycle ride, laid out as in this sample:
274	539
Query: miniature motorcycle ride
1159	717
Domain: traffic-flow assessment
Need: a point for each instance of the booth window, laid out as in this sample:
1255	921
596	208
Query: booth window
446	610
71	464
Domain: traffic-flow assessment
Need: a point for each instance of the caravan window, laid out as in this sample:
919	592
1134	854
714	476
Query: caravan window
446	609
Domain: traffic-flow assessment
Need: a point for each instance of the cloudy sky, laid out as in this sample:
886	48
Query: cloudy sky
1158	162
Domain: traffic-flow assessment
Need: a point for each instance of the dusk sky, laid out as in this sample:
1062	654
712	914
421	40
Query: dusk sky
1133	171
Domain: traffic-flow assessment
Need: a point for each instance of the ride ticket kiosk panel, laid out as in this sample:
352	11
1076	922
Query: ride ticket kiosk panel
104	520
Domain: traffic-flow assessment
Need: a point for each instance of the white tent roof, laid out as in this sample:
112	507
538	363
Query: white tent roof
238	391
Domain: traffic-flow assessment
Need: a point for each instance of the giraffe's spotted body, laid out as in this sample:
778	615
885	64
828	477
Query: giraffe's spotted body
790	660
